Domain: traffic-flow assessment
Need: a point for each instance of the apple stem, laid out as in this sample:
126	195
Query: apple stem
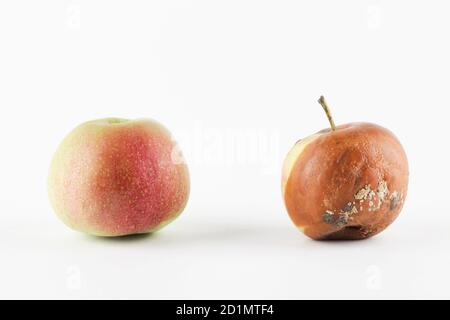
325	107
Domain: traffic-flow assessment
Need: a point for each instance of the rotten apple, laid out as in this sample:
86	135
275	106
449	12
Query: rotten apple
347	182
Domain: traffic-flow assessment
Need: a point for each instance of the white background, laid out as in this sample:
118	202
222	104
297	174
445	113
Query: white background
217	71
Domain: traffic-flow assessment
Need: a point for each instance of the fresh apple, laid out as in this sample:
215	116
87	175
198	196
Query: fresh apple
345	183
116	177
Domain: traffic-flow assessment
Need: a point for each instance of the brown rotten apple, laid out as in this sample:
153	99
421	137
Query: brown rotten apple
345	183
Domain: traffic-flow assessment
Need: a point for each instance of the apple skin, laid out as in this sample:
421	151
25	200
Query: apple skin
347	184
116	177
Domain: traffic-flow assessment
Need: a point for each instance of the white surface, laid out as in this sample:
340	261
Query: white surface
216	73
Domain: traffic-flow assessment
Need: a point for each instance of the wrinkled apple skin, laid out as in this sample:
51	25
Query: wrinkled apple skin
348	184
116	177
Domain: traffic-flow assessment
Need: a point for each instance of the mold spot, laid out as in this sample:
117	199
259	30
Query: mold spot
342	221
395	200
363	193
394	204
376	199
382	190
328	217
348	207
342	218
